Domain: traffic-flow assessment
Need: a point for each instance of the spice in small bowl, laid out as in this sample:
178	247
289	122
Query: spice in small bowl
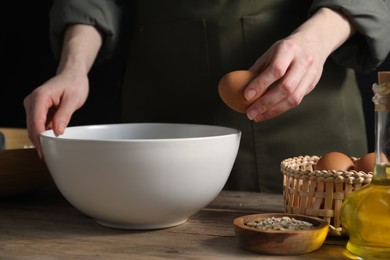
279	223
280	233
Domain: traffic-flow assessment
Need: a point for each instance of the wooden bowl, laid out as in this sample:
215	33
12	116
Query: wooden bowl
16	138
21	169
278	242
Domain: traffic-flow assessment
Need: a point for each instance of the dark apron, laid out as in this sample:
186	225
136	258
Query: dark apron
179	51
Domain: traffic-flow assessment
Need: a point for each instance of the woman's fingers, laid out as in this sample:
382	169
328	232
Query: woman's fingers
291	73
52	105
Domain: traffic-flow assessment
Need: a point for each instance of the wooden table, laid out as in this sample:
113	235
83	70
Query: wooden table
45	226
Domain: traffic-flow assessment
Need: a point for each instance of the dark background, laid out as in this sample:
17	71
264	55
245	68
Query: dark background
365	83
25	56
27	62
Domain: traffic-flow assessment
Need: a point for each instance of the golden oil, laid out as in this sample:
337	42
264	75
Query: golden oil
365	214
366	218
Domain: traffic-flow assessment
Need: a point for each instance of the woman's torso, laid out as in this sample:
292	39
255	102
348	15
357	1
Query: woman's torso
180	49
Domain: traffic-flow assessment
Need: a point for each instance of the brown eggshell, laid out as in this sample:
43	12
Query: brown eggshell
231	89
334	161
366	163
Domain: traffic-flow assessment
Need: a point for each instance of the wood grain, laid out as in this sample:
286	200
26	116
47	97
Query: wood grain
21	169
45	226
16	138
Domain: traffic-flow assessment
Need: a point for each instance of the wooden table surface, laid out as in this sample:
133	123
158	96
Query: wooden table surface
45	226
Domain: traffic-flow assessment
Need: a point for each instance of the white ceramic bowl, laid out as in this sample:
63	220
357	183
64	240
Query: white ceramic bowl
141	176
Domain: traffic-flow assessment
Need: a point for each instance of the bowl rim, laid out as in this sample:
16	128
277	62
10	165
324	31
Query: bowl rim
228	131
239	222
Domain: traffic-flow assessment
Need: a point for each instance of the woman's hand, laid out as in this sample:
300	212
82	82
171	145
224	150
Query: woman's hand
51	105
292	67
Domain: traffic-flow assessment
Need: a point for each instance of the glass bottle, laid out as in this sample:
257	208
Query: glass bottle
365	214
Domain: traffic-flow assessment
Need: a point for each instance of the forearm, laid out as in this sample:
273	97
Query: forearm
325	31
80	48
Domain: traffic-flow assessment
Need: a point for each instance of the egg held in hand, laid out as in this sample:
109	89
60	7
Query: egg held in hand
231	89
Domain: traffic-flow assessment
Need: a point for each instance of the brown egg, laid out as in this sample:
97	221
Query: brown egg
231	89
366	163
334	161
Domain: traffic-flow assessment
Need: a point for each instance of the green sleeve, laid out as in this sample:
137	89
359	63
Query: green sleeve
103	14
369	47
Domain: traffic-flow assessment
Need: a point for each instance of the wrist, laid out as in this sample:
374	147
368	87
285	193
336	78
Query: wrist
80	48
325	31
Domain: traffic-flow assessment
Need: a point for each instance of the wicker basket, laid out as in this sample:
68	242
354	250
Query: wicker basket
318	193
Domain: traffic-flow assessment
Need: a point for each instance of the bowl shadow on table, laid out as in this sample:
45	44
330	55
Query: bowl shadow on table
225	239
58	220
46	212
325	252
227	243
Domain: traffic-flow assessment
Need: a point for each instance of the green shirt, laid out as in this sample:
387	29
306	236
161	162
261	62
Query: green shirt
178	51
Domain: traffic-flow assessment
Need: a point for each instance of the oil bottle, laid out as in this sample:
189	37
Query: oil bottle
365	214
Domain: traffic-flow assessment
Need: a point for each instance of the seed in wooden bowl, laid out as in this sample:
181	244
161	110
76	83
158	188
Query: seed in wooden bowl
279	223
291	241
